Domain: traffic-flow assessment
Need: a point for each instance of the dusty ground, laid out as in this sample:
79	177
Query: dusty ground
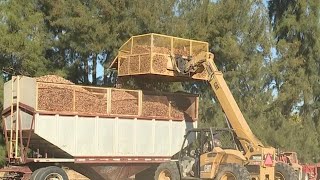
73	175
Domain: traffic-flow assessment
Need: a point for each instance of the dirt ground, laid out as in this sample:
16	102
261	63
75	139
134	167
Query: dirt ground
73	175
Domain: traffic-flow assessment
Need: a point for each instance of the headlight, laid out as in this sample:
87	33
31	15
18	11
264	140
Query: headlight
256	158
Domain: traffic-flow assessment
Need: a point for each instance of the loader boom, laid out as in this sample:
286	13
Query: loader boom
230	107
251	145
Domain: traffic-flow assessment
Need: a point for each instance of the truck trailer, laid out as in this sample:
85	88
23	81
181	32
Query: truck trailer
103	133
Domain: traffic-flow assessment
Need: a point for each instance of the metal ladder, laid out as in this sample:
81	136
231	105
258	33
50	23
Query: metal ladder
14	119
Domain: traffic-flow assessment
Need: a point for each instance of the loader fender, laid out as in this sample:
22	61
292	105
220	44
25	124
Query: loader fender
225	156
233	156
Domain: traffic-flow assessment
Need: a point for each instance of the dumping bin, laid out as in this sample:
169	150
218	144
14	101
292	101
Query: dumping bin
153	55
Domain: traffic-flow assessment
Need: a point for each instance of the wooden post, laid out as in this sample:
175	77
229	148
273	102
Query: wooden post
74	100
109	101
169	109
37	96
128	65
129	57
131	45
139	71
172	52
151	54
140	102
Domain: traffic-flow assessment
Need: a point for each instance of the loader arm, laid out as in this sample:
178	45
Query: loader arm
248	140
253	150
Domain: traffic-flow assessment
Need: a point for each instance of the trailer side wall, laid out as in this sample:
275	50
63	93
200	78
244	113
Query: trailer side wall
95	136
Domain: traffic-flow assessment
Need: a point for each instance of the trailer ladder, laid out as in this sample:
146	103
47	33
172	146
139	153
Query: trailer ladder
14	120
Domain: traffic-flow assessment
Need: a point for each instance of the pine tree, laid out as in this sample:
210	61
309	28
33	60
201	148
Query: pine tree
237	33
22	37
79	34
295	73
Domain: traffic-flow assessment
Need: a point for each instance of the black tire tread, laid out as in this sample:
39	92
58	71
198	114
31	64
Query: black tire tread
52	169
172	167
239	171
35	173
287	171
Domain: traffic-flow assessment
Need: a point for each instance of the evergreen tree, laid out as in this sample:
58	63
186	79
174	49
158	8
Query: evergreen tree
23	36
295	74
237	33
79	36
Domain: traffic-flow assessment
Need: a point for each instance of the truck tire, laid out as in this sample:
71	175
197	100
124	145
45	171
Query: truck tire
166	171
52	172
232	172
35	174
284	171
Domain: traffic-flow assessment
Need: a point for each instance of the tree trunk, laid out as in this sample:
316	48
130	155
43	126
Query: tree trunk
86	70
94	69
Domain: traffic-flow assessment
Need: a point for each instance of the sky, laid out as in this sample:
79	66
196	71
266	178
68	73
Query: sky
100	70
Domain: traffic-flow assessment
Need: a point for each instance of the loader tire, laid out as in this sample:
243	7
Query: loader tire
167	170
284	171
232	172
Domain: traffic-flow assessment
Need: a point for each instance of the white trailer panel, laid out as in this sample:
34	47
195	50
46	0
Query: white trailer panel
144	147
94	137
106	137
26	92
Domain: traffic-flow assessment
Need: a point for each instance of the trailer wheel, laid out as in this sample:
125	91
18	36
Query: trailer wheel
232	172
167	171
52	172
285	172
36	173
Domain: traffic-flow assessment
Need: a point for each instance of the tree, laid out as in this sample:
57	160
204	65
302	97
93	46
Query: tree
295	70
22	37
79	34
237	33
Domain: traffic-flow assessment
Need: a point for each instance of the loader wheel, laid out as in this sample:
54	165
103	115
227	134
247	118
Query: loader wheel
167	171
232	172
52	173
284	171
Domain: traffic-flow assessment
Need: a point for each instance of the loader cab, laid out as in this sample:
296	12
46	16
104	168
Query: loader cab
200	150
